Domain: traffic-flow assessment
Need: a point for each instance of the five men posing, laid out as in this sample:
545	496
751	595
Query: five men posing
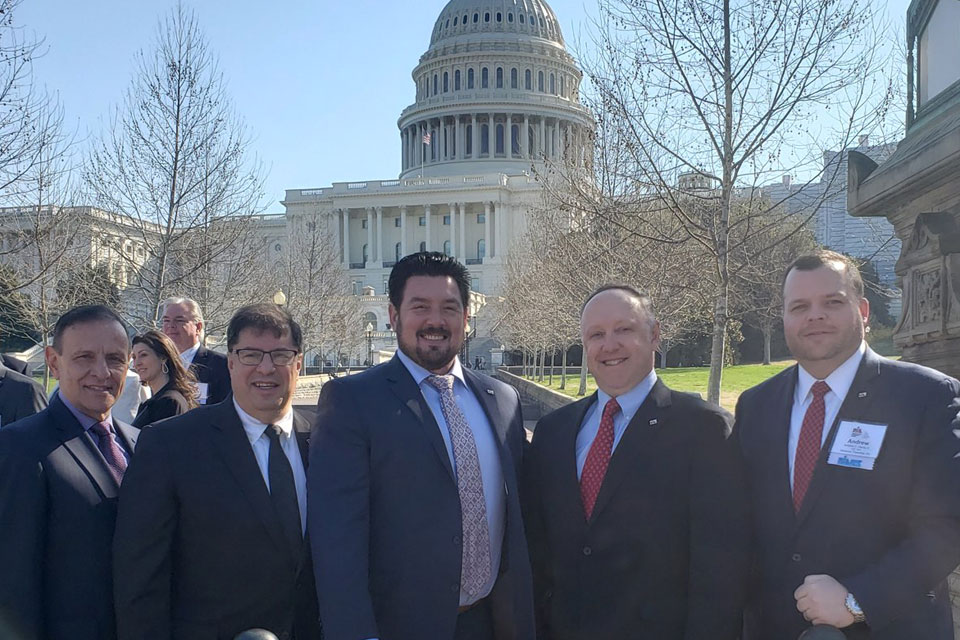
837	491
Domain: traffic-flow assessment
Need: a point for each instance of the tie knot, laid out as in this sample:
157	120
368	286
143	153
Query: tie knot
820	389
272	432
612	408
441	383
103	428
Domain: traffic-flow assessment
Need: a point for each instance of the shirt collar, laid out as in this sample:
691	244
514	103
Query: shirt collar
255	428
187	356
420	374
631	400
85	421
839	379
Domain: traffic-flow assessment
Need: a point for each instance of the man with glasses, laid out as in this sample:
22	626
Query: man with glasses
210	531
182	321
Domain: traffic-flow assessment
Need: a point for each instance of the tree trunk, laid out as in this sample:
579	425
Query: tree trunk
563	370
582	391
767	337
550	375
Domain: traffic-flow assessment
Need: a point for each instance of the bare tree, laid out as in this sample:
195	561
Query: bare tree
176	161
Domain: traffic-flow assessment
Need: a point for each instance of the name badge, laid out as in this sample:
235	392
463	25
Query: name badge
857	444
203	392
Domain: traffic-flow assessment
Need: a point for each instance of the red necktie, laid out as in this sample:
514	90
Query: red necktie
598	458
107	443
808	447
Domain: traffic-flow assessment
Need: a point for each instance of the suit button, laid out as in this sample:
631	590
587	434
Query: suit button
587	551
456	539
796	557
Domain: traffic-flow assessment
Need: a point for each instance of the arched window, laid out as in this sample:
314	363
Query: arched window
499	139
539	81
563	86
370	318
513	77
446	247
476	17
509	17
522	20
484	139
515	140
527	82
553	84
366	255
397	252
486	17
434	84
469	135
456	80
446	82
455	18
484	78
423	246
481	248
469	78
464	19
499	77
499	17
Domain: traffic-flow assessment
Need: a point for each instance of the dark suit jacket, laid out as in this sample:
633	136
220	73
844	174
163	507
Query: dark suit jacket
15	364
199	552
166	404
20	396
665	553
57	514
890	535
384	511
210	368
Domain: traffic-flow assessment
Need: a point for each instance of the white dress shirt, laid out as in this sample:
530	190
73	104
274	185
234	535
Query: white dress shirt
260	443
187	356
839	382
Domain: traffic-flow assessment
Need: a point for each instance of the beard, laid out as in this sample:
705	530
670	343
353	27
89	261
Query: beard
431	357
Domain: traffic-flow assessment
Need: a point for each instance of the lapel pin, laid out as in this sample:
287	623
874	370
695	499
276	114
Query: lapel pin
862	394
490	391
653	422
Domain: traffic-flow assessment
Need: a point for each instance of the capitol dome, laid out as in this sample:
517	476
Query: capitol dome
496	92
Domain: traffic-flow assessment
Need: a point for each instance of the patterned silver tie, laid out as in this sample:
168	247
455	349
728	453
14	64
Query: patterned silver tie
475	559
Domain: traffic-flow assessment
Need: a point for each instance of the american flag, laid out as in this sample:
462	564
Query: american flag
426	138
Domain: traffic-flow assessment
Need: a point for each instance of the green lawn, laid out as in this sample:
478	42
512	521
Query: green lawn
735	380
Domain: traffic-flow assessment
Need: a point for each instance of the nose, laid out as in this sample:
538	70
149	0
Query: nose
100	367
266	364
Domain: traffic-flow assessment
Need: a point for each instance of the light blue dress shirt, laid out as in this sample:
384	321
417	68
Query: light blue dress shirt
86	422
488	452
629	404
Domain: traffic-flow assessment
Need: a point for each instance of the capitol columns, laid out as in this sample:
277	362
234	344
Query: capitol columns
525	138
463	231
500	226
475	134
403	230
508	137
345	221
488	248
453	229
379	258
429	239
367	259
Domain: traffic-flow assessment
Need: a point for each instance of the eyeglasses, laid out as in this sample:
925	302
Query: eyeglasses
253	357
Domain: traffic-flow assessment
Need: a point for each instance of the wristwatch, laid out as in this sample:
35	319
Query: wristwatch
854	608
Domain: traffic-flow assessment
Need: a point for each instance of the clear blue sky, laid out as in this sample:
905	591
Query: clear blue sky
320	82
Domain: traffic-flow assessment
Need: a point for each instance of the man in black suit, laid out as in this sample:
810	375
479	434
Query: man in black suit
20	396
852	461
60	472
182	320
210	531
415	521
637	511
15	364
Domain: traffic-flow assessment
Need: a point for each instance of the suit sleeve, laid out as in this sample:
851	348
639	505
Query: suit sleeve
142	545
719	533
896	584
536	533
33	402
338	497
23	519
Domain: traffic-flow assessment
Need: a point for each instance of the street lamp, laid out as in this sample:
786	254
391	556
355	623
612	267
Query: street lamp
279	298
469	331
369	344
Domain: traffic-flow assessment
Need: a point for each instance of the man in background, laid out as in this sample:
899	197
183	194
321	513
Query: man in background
182	320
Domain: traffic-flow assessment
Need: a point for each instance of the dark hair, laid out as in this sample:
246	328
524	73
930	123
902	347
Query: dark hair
264	316
427	263
646	303
83	315
181	378
824	258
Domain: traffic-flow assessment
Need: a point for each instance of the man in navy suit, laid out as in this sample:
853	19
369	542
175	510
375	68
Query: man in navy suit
60	472
853	462
414	515
182	321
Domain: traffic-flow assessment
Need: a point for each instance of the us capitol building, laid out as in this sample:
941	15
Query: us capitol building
496	97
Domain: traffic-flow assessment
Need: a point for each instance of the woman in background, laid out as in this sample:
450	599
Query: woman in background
173	387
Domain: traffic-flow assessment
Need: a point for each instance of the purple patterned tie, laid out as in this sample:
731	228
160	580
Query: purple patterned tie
475	560
107	443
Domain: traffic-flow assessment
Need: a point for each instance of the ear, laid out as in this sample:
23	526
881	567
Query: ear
53	361
394	313
655	335
864	306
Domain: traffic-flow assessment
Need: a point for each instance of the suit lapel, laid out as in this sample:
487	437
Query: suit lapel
301	429
853	408
649	418
775	436
402	384
569	483
234	447
83	449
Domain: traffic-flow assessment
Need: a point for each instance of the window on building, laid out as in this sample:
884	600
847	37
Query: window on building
481	248
423	221
434	84
499	147
423	246
481	218
456	80
475	285
357	287
397	253
563	88
366	255
513	78
476	18
446	82
484	139
397	222
553	84
522	19
515	139
509	17
446	219
469	78
499	77
486	17
499	17
446	247
455	20
386	291
527	81
464	19
470	140
484	78
539	81
370	319
363	223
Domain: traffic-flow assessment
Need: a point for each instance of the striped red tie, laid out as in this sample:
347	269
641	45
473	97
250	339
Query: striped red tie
808	447
598	458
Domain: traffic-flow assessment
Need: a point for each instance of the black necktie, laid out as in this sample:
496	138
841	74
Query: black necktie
283	490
